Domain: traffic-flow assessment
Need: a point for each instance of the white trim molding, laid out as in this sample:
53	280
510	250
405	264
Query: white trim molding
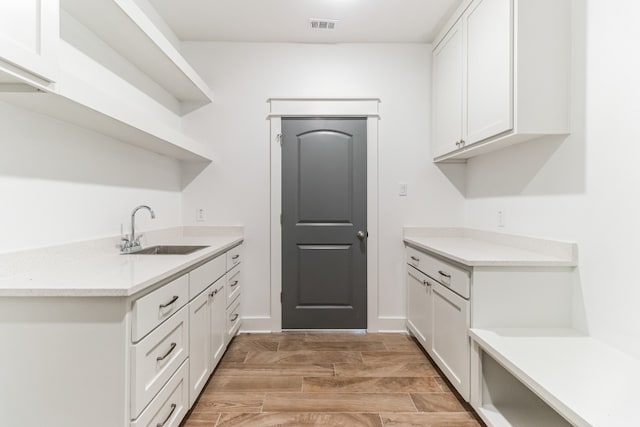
321	107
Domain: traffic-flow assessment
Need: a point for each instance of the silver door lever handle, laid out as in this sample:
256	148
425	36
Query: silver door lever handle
360	235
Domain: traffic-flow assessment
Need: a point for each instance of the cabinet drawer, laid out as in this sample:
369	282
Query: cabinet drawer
170	405
156	358
449	275
202	277
233	320
154	308
234	257
234	282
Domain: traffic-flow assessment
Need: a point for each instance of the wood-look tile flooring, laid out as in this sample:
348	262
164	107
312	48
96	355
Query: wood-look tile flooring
327	379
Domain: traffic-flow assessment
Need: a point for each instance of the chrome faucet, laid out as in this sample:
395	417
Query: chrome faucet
132	242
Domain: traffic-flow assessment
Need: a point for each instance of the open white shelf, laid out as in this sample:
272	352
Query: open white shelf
82	104
131	32
586	381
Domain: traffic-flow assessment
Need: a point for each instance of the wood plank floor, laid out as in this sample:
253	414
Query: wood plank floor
327	379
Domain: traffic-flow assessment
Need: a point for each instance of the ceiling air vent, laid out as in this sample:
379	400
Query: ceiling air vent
323	24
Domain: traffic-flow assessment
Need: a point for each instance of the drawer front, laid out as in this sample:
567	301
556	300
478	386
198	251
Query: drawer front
234	257
234	281
233	320
156	358
170	405
202	277
156	307
449	275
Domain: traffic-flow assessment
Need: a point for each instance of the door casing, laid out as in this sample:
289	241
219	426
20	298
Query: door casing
323	107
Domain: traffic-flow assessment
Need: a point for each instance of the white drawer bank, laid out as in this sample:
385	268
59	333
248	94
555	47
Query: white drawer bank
459	279
115	357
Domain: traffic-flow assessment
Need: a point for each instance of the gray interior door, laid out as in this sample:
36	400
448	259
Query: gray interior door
324	223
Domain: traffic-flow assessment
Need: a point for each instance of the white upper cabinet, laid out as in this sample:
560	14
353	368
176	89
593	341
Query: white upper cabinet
500	70
447	72
28	39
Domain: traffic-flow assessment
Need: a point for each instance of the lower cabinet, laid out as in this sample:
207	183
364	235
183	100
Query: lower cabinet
419	314
206	335
450	347
438	317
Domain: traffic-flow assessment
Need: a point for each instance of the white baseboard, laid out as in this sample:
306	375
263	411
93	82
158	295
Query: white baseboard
267	324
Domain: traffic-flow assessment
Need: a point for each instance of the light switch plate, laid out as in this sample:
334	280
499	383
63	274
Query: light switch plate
402	189
201	214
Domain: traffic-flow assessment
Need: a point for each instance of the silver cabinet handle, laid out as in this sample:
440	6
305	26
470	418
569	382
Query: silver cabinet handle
173	408
161	358
428	284
442	273
214	293
234	284
167	304
235	317
235	257
458	144
462	142
415	259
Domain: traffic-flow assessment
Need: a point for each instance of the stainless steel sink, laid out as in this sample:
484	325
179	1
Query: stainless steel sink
168	250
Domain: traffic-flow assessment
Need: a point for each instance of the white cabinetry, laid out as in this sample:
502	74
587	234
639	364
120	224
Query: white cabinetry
500	74
28	39
109	361
450	344
438	316
419	307
209	331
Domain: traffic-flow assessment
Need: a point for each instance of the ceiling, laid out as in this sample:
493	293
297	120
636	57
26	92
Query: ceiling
360	21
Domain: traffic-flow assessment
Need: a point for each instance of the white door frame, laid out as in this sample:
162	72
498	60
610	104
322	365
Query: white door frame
315	107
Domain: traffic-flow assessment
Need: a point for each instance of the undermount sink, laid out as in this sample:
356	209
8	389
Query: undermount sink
168	250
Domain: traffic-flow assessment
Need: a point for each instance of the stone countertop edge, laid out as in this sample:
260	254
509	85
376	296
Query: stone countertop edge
477	248
123	275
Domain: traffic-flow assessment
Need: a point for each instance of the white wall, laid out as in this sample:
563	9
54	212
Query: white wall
60	183
236	189
586	188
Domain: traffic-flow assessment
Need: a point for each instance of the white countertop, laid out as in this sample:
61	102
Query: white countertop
98	269
476	248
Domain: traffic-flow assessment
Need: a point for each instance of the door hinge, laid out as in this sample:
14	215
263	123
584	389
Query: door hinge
279	138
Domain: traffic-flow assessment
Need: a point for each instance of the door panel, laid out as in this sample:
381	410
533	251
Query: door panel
325	177
323	207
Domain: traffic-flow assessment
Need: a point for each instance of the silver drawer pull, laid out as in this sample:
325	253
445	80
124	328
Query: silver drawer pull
424	282
442	273
235	257
173	300
214	293
415	259
234	284
161	358
173	408
235	317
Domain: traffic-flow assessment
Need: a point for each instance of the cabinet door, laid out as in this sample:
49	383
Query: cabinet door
488	82
28	37
419	306
199	344
450	345
217	319
447	92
